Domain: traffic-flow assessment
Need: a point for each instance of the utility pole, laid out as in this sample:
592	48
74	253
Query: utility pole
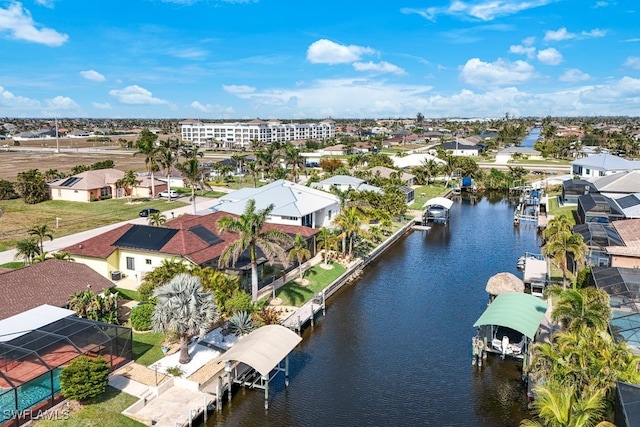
57	139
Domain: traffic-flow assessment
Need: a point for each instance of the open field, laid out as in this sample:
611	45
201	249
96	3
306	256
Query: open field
14	162
19	217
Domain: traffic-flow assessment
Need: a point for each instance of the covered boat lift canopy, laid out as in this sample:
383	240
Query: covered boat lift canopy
518	311
437	210
262	350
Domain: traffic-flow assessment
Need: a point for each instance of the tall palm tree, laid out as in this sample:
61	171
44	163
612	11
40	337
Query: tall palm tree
328	241
167	158
183	308
127	182
557	225
349	221
41	232
253	169
249	226
293	159
192	173
300	251
27	250
239	160
157	219
560	246
146	146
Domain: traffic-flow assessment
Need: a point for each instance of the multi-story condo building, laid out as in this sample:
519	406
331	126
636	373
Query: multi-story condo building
241	135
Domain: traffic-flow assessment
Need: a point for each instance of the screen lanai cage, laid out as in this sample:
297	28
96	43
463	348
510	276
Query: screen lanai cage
623	287
30	364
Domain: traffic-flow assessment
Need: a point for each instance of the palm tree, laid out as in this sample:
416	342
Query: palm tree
239	160
157	219
349	221
41	232
581	307
168	157
328	241
146	146
183	308
299	251
192	173
557	225
127	182
253	169
249	226
560	246
560	406
293	158
27	249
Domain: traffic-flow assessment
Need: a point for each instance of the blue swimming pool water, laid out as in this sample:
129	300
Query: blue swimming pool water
29	394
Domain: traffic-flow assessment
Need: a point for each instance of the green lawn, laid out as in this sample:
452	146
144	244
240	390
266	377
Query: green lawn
296	295
128	294
147	348
556	210
104	410
426	192
13	264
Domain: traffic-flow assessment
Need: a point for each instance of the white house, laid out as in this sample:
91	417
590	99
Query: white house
344	183
459	148
507	154
601	165
294	204
416	159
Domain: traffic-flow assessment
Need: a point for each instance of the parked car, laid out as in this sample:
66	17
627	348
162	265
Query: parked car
166	193
148	211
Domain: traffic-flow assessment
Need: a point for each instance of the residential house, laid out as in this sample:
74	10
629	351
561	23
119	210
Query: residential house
626	254
52	282
509	153
458	148
572	189
416	159
132	250
601	165
333	150
294	204
345	183
96	185
407	178
598	208
598	237
617	184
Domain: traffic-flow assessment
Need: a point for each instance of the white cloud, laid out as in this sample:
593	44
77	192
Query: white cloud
46	3
633	62
61	103
379	67
574	75
325	51
135	95
17	103
499	73
562	34
530	51
102	105
18	22
238	89
93	75
558	35
486	10
550	56
601	4
188	53
212	108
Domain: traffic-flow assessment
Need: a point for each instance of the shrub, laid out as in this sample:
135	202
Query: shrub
241	323
238	301
84	378
141	316
175	371
146	290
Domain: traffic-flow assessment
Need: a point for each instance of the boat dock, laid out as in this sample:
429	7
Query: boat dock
532	207
306	313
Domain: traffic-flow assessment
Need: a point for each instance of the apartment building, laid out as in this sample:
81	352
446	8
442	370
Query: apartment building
240	135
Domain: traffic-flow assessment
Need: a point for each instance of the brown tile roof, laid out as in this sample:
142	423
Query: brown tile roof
629	231
184	243
49	282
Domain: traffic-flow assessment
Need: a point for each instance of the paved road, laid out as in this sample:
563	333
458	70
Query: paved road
202	204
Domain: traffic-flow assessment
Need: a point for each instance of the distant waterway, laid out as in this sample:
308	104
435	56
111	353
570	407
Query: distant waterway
532	137
395	347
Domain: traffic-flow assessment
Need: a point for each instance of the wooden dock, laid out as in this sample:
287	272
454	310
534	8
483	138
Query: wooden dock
305	314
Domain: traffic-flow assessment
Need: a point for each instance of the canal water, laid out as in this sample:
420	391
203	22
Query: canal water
532	137
395	346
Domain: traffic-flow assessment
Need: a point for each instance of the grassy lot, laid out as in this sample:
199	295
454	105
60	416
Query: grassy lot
147	347
74	217
103	410
295	294
128	294
426	192
556	210
14	264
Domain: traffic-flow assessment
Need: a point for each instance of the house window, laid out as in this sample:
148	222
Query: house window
131	263
329	214
147	261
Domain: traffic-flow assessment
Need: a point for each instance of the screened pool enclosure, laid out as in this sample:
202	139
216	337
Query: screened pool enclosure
31	362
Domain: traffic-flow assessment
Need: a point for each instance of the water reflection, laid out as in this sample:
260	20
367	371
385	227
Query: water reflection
394	348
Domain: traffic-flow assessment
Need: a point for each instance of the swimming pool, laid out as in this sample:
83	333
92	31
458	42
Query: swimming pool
29	394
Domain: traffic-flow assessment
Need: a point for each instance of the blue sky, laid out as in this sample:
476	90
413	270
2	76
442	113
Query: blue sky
226	59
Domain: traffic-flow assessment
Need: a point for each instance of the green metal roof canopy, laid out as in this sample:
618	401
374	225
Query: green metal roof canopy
518	311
